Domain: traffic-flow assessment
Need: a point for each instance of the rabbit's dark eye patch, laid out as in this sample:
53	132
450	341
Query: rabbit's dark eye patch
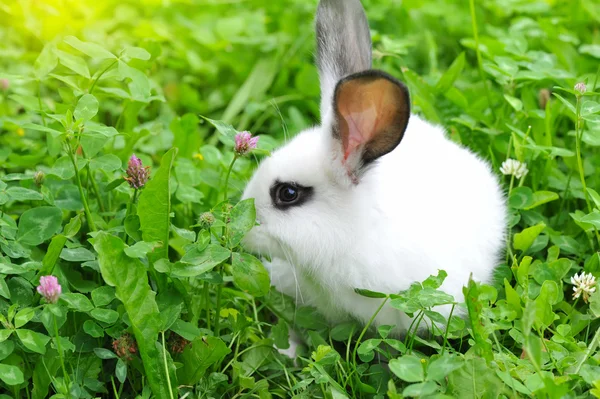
288	194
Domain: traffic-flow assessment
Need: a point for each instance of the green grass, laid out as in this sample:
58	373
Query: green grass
158	302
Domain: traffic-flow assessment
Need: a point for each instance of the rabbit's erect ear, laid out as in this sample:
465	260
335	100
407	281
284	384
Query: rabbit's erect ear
343	44
371	112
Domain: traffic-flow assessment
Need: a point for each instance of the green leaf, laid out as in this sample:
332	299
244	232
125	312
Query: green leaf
87	107
243	218
589	108
250	275
73	227
33	341
154	207
475	380
474	306
23	317
280	334
186	330
592	218
11	375
74	63
105	353
188	194
227	131
595	304
540	198
430	297
79	254
366	348
23	194
4	291
79	302
257	83
5	334
107	316
63	167
6	348
137	52
199	356
450	76
523	240
52	254
102	296
195	263
40	128
37	225
590	49
140	249
93	329
369	293
408	368
121	371
514	102
521	198
107	163
441	367
566	102
436	281
90	49
130	279
595	196
139	85
421	389
46	61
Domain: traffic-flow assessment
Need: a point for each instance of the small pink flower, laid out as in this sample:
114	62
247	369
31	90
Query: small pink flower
49	288
244	143
4	84
581	87
137	175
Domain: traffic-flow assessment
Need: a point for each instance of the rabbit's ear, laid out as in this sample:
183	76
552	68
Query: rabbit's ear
343	44
371	111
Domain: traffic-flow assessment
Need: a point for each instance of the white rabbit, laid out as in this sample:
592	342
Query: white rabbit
368	199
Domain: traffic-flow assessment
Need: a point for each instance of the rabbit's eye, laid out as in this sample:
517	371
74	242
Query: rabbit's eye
285	195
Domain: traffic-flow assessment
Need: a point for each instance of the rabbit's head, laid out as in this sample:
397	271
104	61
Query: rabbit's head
305	192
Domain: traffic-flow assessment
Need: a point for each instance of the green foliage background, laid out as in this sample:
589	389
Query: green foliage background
84	84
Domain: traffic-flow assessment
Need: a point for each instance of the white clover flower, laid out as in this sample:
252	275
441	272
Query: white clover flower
514	168
584	284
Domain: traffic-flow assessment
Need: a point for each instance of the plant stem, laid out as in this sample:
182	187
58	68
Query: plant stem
578	136
364	331
60	355
218	309
227	178
94	186
205	294
590	349
114	387
40	102
220	268
166	365
478	53
447	327
88	213
102	73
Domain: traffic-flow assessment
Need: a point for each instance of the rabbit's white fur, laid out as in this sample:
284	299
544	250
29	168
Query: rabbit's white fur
429	204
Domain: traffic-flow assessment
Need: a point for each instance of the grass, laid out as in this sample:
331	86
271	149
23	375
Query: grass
159	299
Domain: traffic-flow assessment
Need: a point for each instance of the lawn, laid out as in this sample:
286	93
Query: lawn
121	269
